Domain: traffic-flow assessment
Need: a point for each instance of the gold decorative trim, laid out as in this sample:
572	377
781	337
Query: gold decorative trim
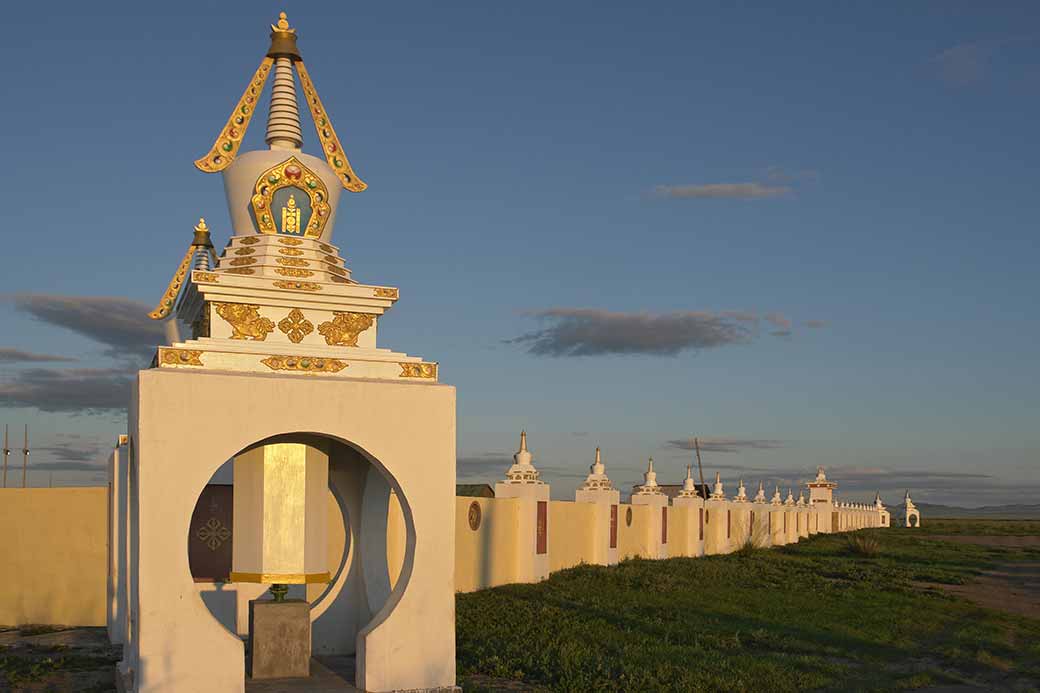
383	292
180	357
245	251
281	578
250	240
293	272
242	261
241	270
340	280
344	328
292	262
245	320
327	248
334	153
332	269
205	277
418	370
169	299
290	241
290	251
295	326
290	173
303	364
226	147
299	286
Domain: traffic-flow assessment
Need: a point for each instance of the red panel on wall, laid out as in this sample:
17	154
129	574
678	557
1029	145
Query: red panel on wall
613	526
664	525
700	517
729	523
210	534
543	522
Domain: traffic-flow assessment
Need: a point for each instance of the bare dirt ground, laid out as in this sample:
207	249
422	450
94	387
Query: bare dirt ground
1011	587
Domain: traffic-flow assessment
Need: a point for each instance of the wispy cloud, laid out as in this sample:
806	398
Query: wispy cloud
82	390
728	191
595	332
967	64
18	356
118	323
592	332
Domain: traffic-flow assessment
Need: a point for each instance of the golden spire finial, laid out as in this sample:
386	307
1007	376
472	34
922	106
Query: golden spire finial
201	226
282	25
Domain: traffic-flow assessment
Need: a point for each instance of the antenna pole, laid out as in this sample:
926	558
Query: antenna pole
7	453
700	469
25	455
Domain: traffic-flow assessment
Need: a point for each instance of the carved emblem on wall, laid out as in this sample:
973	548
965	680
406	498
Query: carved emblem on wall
290	241
290	272
327	248
250	240
418	370
245	251
290	251
213	533
628	517
303	364
241	261
292	262
474	516
334	269
384	292
205	277
344	328
245	321
241	270
341	280
295	326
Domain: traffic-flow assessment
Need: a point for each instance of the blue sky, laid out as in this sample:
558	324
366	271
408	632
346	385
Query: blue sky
806	234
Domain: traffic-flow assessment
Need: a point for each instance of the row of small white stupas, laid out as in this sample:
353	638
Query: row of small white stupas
523	471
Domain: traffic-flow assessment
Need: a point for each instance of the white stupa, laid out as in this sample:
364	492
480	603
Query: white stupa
522	471
649	487
717	492
597	479
776	499
760	496
689	487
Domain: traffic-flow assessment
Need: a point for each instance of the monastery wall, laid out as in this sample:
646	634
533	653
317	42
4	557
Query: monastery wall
55	563
54	555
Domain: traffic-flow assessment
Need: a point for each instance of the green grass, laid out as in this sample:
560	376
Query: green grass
807	616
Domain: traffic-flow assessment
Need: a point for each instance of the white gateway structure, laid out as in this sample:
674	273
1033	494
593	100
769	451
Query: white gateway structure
273	362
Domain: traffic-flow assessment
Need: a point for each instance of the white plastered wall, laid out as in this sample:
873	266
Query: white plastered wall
185	424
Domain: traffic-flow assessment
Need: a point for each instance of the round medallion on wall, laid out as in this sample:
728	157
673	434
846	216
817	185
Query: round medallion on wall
474	516
628	517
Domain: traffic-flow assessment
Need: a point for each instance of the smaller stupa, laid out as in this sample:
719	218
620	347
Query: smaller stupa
760	497
522	471
649	487
597	479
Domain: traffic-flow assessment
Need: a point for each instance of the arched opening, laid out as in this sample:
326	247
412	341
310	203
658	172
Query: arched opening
369	540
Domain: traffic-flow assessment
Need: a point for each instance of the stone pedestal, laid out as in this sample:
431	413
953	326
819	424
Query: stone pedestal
279	639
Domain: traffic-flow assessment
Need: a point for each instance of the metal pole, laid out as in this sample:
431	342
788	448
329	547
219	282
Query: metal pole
697	447
25	455
7	453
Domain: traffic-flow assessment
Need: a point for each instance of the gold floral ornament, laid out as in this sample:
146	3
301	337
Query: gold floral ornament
344	328
250	240
295	326
290	272
245	320
226	147
299	286
292	262
418	370
180	357
290	241
241	270
303	364
290	173
384	292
